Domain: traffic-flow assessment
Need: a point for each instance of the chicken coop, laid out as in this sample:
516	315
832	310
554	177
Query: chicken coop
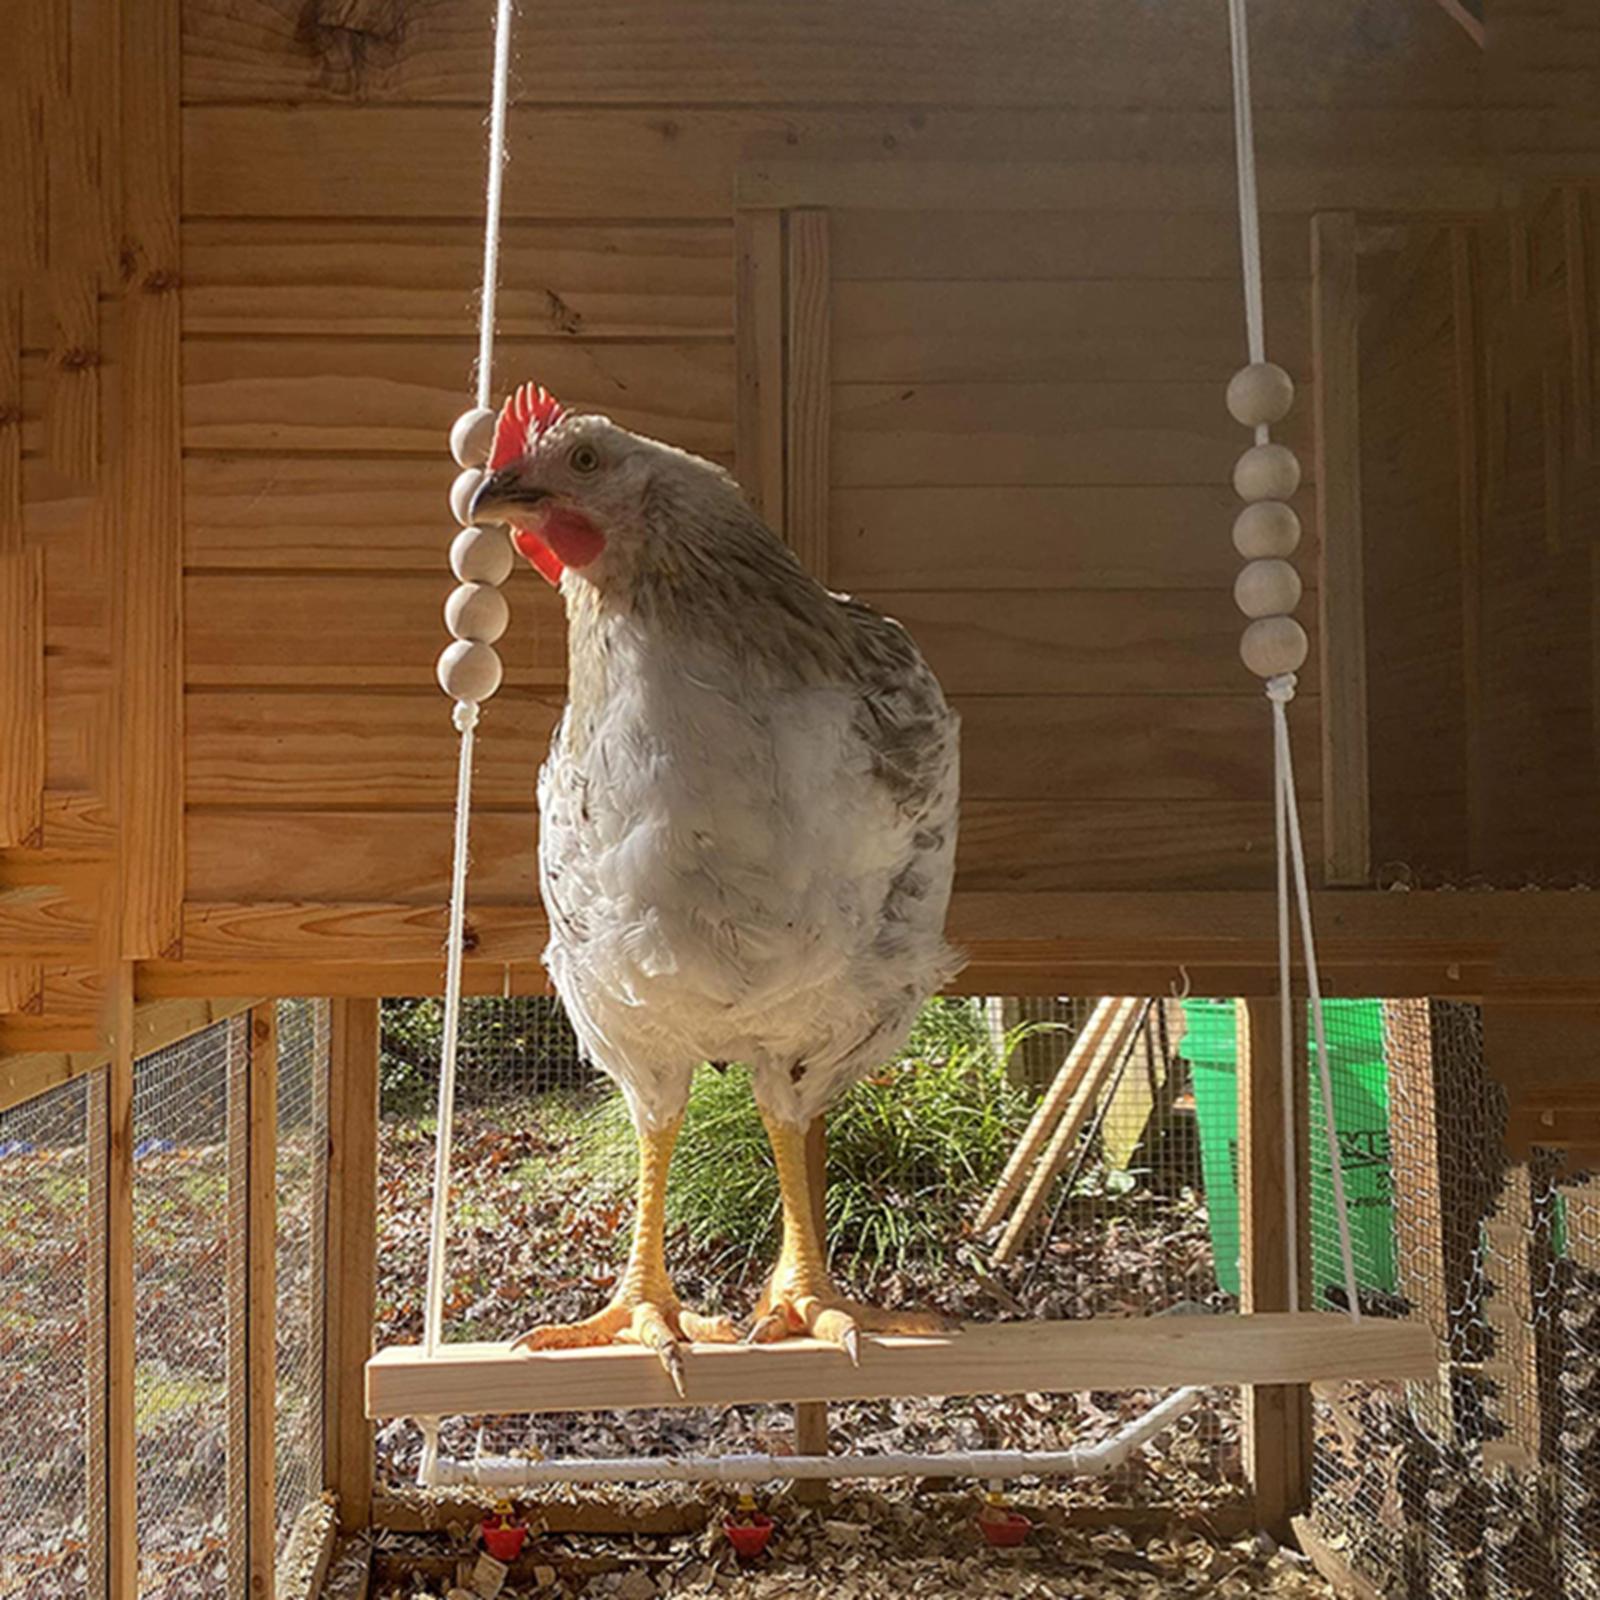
955	294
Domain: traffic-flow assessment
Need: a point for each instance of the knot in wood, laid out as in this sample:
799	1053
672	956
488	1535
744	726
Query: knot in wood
346	35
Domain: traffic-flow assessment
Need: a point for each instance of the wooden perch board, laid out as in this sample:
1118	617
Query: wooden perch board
1012	1358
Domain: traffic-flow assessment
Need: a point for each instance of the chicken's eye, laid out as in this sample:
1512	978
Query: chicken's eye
585	458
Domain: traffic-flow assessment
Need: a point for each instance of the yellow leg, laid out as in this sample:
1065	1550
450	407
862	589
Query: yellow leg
645	1308
801	1296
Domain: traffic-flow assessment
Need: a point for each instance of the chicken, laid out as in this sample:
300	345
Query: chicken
747	831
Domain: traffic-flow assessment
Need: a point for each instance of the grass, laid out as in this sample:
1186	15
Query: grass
911	1152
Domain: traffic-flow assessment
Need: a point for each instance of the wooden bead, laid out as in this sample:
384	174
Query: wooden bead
1274	646
1262	589
1268	528
462	491
482	555
469	671
479	611
471	436
1260	393
1266	472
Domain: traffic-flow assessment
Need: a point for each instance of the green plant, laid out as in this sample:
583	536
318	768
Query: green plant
911	1151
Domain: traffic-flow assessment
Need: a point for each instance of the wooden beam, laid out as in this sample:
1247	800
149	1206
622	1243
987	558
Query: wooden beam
808	291
1051	1105
352	1255
261	1316
121	1459
22	727
1344	1580
1277	1417
1341	592
156	1024
237	1360
1011	1358
97	1144
149	483
758	360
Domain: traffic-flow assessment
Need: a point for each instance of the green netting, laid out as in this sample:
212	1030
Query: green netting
1361	1116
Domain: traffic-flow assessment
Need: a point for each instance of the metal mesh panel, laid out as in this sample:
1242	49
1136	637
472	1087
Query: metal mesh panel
542	1186
187	1219
52	1262
301	1264
1481	1482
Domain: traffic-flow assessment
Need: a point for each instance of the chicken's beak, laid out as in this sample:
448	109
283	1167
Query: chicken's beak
503	493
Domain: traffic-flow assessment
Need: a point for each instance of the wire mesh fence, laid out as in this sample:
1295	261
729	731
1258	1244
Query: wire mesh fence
542	1210
188	1285
51	1305
301	1266
1481	1482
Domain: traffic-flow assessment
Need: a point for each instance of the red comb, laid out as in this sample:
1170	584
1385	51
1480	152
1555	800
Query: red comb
529	412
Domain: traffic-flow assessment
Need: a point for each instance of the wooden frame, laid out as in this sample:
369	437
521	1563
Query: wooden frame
1277	1433
1027	1357
261	1316
352	1247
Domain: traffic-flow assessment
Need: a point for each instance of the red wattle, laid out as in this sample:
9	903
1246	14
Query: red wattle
549	564
572	536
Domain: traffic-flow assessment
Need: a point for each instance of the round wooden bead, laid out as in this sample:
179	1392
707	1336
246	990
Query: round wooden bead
1263	589
1266	472
482	555
469	671
479	611
462	491
1260	393
1268	528
471	436
1274	646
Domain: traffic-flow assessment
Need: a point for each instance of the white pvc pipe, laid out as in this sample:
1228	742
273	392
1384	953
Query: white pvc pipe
439	1471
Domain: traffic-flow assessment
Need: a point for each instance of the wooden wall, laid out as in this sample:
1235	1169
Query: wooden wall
1029	452
1482	483
1031	308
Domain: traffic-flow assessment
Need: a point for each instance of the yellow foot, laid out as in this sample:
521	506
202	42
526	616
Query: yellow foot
659	1325
792	1305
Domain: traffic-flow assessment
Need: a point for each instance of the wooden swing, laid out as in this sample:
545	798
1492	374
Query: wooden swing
1289	1347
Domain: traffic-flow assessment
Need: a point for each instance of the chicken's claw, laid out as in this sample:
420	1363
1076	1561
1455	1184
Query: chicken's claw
661	1326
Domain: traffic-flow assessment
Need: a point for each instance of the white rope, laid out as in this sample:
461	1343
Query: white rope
491	199
465	718
1280	691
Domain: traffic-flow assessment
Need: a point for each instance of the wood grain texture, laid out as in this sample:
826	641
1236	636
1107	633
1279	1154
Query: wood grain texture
22	641
352	1251
360	395
678	163
261	1313
758	316
1021	538
978	246
372	630
1341	588
1030	332
376	278
1098	1353
150	485
1112	433
834	52
809	300
122	1570
1276	1431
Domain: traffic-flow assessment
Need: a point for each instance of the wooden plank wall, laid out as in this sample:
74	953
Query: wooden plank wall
1482	493
89	525
1029	454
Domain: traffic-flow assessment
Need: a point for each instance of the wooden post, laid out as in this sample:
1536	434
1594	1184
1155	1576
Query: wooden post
261	1318
1277	1417
352	1255
121	1504
808	292
811	1416
97	1145
238	1292
1335	323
